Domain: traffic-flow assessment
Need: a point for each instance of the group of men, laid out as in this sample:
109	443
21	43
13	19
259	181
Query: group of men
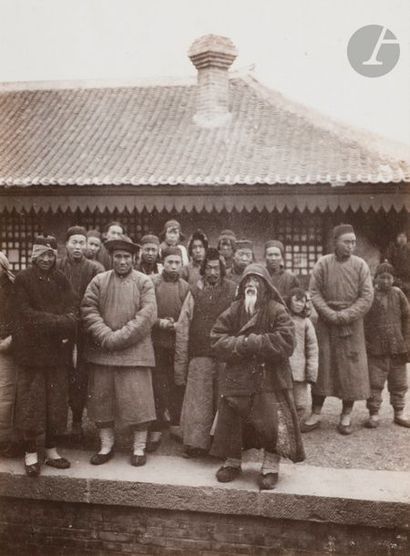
201	348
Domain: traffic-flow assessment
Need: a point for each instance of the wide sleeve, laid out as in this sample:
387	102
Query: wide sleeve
182	340
405	320
140	326
316	288
364	299
225	345
311	352
63	324
279	341
93	322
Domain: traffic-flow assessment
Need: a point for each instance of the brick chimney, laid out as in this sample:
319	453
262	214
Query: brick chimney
212	55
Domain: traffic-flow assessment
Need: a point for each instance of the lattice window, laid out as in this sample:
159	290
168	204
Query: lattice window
17	230
137	224
302	235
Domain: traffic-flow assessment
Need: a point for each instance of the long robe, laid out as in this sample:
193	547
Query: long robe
342	294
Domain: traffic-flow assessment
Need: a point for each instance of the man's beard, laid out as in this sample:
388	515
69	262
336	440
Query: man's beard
251	297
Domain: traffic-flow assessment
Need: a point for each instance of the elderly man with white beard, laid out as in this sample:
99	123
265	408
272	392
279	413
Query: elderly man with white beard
255	338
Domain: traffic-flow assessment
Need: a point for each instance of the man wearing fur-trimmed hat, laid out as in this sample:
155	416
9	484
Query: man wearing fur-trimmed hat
227	246
197	248
118	311
342	293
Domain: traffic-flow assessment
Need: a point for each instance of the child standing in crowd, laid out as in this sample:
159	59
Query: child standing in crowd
172	236
387	329
304	361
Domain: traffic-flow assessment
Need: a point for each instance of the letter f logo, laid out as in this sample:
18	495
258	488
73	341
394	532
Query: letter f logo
373	50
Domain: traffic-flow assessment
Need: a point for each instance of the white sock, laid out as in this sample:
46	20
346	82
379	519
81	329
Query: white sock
52	453
30	458
270	463
107	440
140	441
155	436
232	462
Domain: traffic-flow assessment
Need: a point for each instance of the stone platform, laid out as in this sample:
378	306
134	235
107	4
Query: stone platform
374	501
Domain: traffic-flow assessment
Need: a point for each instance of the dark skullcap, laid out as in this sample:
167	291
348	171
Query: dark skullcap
275	243
227	234
384	267
75	231
244	244
149	238
94	233
171	251
342	229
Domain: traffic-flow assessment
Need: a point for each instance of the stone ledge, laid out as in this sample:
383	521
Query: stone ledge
304	493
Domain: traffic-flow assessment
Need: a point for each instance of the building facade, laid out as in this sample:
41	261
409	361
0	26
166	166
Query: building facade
221	152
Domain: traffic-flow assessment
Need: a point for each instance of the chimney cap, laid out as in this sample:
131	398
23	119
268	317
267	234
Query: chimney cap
212	50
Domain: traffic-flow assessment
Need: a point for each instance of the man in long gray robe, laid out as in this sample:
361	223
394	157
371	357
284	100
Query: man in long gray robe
342	293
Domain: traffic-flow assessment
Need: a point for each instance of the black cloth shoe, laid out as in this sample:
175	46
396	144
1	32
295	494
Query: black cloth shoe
308	428
371	424
32	470
344	429
152	445
58	463
191	452
268	481
138	461
99	459
227	474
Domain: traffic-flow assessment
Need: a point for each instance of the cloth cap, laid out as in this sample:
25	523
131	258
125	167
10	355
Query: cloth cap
124	243
227	234
342	229
149	238
172	224
275	243
75	231
94	233
171	251
5	265
244	244
384	267
42	244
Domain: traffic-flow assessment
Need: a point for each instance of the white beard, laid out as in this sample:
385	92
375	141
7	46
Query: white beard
250	302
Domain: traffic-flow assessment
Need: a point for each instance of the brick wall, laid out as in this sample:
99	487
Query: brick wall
47	528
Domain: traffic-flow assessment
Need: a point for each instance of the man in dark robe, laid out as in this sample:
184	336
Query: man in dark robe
255	337
79	271
398	255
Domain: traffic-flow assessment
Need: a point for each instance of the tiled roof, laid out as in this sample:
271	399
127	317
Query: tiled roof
146	136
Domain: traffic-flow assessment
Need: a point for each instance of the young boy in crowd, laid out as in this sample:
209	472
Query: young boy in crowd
387	329
304	361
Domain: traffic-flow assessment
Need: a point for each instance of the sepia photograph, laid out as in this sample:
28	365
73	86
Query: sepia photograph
204	277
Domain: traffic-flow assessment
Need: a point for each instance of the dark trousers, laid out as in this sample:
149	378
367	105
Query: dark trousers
41	404
392	370
77	381
168	396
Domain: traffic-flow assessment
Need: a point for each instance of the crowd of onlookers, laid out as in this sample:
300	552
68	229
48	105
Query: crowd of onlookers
224	352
